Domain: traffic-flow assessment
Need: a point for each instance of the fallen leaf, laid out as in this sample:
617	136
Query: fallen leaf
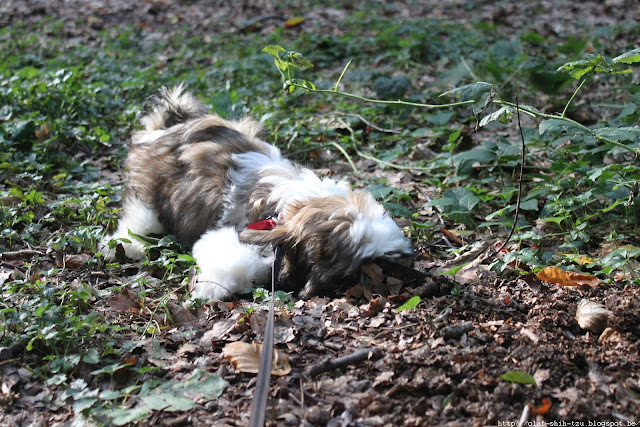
542	409
294	22
410	304
245	357
374	271
218	331
125	301
566	278
518	377
451	235
124	370
42	134
375	307
580	259
383	378
193	278
355	292
75	262
187	348
180	314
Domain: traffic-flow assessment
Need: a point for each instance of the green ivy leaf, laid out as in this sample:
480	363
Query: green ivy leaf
294	59
92	356
471	91
518	377
410	304
503	115
577	69
558	126
629	57
167	402
619	134
273	50
143	239
396	209
454	270
529	205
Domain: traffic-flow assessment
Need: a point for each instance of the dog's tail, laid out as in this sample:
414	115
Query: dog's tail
170	107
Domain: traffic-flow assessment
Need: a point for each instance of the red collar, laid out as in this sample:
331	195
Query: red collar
265	224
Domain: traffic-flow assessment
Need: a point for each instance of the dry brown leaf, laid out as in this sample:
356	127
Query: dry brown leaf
566	278
355	292
294	22
374	271
218	331
180	314
75	262
42	134
245	357
125	301
452	236
542	409
375	307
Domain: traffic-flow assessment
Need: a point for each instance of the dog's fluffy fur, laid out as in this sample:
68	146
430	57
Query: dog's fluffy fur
204	179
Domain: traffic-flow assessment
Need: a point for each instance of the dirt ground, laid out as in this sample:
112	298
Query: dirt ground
439	365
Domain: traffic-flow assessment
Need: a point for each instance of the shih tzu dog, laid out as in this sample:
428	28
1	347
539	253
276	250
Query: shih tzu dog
205	179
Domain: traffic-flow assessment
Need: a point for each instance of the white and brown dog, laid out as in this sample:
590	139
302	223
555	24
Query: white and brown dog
204	179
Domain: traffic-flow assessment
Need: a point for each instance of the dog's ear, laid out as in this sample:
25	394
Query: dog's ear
263	237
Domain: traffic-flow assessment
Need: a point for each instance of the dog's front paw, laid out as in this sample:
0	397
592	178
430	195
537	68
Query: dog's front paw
227	266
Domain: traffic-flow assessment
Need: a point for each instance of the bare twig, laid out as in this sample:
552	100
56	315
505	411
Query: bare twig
368	123
255	23
515	219
371	353
21	270
23	253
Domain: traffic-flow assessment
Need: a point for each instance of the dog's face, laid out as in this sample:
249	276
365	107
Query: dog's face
326	239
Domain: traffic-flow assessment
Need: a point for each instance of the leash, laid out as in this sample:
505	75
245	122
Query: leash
261	394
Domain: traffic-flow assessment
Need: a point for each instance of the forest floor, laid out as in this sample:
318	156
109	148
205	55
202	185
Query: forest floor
484	346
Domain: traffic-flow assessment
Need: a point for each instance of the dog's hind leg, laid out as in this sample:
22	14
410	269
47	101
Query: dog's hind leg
137	218
228	266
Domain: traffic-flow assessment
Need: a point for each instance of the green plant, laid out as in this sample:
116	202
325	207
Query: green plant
55	325
577	153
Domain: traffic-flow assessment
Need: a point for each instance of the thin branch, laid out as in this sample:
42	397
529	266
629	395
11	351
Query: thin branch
469	70
566	107
358	356
515	220
335	88
346	155
20	270
368	156
579	125
20	254
368	123
289	83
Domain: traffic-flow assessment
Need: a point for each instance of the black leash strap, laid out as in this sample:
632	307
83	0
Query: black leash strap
261	394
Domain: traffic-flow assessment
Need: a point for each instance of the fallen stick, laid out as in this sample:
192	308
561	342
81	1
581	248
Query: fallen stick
23	253
371	353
